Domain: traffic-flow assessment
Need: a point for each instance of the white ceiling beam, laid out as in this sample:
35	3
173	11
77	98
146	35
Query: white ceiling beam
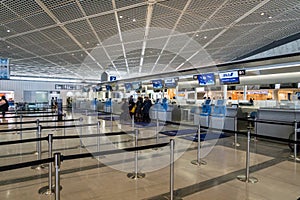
173	30
147	28
227	28
120	34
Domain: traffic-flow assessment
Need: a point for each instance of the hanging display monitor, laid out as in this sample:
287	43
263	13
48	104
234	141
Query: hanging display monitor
128	86
108	88
157	84
170	83
206	79
4	68
136	85
230	77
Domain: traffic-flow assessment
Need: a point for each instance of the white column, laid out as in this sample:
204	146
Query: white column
224	91
245	92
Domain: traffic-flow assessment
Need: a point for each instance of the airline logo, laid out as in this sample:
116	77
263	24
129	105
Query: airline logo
232	74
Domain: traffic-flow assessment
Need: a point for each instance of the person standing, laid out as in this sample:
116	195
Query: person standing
146	109
4	105
131	104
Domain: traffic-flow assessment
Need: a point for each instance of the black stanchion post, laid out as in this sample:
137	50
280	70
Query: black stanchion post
136	174
57	163
49	188
199	161
246	178
235	143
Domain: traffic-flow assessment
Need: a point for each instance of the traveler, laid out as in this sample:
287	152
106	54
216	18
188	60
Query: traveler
3	105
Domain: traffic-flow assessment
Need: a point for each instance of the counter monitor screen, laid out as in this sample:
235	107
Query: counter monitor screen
157	84
230	77
206	79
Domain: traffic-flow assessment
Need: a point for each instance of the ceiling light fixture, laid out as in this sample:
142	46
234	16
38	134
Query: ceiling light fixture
121	16
205	37
8	30
262	14
134	20
270	17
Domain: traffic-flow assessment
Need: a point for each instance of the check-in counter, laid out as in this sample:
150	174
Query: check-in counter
230	119
276	114
163	115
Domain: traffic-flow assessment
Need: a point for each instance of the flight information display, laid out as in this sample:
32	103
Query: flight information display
4	68
206	79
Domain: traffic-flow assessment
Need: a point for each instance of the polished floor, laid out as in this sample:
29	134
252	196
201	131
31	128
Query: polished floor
106	178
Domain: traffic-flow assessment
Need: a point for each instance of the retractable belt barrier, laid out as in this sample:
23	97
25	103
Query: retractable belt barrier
78	156
31	116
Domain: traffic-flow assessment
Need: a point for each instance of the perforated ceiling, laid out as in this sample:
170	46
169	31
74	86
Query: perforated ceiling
80	39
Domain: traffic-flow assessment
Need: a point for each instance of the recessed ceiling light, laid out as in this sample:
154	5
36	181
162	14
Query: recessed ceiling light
205	37
121	16
134	20
197	35
87	42
270	17
8	47
8	30
262	13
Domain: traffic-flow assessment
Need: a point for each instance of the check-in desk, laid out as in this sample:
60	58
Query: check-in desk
230	122
276	114
157	111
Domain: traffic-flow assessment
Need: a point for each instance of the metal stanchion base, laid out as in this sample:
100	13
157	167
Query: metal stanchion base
136	176
243	178
202	162
45	190
293	157
39	167
236	144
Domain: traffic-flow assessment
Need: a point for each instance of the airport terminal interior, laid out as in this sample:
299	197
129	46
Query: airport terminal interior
149	99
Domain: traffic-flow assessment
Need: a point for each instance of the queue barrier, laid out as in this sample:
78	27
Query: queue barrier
245	178
58	159
28	112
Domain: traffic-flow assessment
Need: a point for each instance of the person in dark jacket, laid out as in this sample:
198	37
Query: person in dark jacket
131	104
146	109
3	105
